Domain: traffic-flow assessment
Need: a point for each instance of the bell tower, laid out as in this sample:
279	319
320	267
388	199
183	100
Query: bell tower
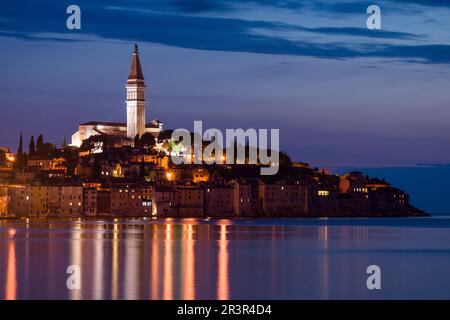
135	98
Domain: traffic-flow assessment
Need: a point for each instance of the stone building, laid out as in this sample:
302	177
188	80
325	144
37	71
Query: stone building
136	113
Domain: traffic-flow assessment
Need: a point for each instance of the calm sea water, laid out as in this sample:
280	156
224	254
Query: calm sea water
226	259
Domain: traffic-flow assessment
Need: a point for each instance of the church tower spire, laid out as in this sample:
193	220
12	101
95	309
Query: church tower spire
135	98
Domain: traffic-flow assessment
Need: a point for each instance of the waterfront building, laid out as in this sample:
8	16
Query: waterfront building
283	198
45	200
387	200
190	200
97	202
245	198
219	200
64	200
3	200
132	201
19	200
353	182
164	201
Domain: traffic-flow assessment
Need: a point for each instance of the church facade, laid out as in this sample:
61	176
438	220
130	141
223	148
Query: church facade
124	133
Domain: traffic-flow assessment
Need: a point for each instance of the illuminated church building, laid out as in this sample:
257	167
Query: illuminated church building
124	133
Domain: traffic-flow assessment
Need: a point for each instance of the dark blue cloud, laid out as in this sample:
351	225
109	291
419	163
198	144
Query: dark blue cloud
200	5
219	5
144	24
360	32
427	3
355	7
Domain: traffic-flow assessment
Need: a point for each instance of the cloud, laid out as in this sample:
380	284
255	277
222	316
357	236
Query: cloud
360	32
201	5
143	24
426	3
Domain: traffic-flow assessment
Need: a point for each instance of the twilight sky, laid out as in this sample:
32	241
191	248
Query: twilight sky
341	95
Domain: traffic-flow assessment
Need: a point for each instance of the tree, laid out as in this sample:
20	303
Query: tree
284	158
136	141
147	141
165	135
20	148
97	168
64	144
31	147
142	169
92	144
2	157
39	144
47	150
71	160
20	162
105	144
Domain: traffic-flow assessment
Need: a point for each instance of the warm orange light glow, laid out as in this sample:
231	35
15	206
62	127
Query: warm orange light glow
189	263
115	262
222	281
155	263
12	232
98	258
169	175
168	266
11	278
76	256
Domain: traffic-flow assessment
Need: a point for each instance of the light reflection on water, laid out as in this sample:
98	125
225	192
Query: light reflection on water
11	279
225	259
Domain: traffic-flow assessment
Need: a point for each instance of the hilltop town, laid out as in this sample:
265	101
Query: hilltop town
142	181
126	170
